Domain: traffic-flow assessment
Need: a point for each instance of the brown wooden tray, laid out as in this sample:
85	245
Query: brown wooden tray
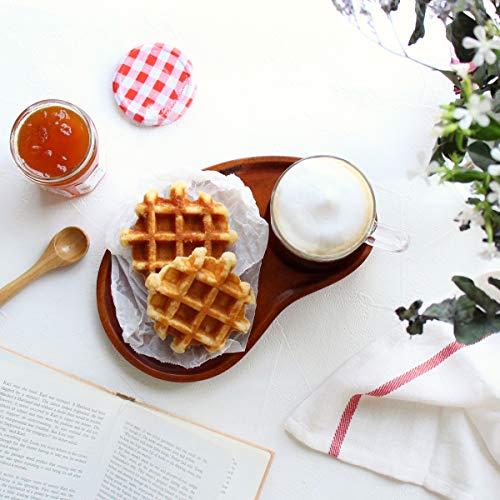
283	279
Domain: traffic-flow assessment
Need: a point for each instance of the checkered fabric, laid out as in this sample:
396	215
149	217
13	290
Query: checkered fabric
153	86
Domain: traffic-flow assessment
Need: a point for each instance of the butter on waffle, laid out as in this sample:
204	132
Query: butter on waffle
175	226
198	301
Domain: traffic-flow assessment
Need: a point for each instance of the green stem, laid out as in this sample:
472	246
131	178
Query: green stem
467	87
489	230
488	226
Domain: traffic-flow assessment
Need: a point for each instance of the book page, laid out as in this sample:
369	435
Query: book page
249	463
247	472
149	458
51	431
166	454
248	468
64	439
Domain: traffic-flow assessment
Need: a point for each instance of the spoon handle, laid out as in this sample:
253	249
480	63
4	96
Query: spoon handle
20	282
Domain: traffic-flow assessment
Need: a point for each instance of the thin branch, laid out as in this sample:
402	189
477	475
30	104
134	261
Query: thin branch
404	53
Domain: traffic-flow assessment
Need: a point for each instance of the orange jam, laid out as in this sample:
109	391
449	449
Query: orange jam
53	141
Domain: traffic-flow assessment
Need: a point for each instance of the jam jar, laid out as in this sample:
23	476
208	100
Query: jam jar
54	143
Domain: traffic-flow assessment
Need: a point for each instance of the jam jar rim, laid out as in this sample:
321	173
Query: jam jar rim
23	165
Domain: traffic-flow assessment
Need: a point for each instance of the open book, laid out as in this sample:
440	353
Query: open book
64	438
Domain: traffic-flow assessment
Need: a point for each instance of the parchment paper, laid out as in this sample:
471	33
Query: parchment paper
127	286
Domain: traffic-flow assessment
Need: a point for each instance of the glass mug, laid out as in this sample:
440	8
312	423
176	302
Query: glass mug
323	209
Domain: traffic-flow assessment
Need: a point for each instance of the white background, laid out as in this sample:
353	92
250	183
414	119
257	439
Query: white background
274	77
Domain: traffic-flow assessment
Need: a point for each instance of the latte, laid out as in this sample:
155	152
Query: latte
322	208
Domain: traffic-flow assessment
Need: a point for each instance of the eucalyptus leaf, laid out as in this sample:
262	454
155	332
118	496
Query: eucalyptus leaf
494	281
479	327
415	320
473	315
443	311
419	31
465	309
479	12
390	6
476	295
415	327
411	312
479	153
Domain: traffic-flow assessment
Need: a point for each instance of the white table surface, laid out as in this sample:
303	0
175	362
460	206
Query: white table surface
274	77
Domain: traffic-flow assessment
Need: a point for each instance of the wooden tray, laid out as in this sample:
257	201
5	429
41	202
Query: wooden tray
283	279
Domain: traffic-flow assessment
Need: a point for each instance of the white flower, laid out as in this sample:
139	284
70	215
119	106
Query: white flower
437	131
490	251
475	111
432	167
469	215
461	69
423	170
494	169
494	196
483	46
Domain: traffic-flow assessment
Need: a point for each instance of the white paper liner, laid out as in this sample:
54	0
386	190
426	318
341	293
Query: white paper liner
127	286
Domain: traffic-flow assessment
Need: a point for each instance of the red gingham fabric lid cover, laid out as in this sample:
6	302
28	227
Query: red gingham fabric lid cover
153	86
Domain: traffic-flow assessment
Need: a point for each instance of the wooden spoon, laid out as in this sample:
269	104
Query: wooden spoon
67	247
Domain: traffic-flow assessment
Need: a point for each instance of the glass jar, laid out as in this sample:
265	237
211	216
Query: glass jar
83	176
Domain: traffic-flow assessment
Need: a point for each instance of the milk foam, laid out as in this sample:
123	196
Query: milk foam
323	207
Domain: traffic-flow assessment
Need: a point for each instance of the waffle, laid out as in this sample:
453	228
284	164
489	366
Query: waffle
198	301
170	227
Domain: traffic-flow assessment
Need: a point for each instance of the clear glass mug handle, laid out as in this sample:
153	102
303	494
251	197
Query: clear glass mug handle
387	238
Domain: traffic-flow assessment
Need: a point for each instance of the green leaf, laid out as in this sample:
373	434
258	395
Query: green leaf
461	26
489	133
463	175
419	31
480	75
452	76
448	147
476	295
478	11
479	153
437	155
473	201
495	105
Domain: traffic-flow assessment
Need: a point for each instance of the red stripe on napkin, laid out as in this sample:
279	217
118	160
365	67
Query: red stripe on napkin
384	389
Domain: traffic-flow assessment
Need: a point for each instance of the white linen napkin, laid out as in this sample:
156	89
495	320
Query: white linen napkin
425	410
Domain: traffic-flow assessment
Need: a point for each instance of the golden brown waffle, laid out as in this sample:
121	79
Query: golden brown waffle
198	300
175	226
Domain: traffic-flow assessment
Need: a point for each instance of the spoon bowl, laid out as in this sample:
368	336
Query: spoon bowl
70	244
67	247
